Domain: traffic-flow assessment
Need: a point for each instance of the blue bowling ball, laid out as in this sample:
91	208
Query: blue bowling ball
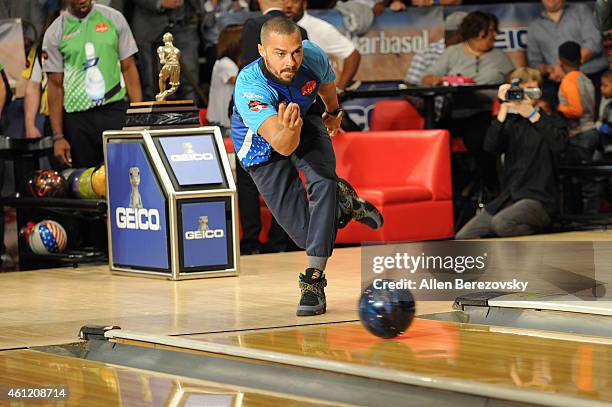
385	312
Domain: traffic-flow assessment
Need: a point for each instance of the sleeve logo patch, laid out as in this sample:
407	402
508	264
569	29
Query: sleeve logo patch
309	88
44	56
256	105
101	27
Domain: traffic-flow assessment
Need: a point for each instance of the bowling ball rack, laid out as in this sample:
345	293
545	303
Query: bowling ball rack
83	219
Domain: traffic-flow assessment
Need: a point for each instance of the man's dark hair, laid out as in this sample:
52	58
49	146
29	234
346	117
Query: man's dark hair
475	23
279	25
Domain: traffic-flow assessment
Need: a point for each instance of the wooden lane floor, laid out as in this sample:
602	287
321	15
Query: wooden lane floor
90	383
510	364
60	301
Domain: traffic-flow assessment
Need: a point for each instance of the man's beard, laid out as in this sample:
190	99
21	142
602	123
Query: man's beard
278	78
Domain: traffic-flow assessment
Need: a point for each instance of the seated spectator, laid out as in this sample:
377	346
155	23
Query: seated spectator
475	58
604	122
531	144
577	104
223	79
426	58
560	22
325	35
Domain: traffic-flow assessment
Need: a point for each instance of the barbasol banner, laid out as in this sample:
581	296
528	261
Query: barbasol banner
193	159
388	47
204	234
137	208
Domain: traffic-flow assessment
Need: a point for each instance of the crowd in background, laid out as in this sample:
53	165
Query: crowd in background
565	51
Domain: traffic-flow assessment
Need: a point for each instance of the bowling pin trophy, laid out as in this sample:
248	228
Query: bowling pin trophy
172	202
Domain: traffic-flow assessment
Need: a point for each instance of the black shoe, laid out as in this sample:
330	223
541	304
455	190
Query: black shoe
312	301
357	208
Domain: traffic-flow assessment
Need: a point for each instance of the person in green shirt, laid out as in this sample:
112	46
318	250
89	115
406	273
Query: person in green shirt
88	57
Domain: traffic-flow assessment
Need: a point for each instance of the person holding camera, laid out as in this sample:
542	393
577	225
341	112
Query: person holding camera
531	143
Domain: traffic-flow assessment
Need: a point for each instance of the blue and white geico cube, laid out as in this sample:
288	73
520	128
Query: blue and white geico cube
172	203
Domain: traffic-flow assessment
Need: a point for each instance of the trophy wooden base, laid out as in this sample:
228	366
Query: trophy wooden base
162	115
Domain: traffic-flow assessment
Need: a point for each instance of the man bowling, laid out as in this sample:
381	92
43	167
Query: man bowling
275	136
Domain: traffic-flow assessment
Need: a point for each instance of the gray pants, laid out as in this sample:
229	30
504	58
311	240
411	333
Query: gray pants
308	216
524	217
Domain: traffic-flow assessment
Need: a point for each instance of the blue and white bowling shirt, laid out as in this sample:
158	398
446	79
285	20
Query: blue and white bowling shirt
257	96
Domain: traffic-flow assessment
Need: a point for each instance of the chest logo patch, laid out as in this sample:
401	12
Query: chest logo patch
101	27
308	88
256	105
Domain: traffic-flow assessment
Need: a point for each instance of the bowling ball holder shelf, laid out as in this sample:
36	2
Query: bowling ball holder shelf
84	220
71	213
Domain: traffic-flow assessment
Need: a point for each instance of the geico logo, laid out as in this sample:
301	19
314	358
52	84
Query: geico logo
512	39
204	234
137	218
192	157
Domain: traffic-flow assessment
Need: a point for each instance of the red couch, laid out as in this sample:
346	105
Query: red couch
407	175
395	115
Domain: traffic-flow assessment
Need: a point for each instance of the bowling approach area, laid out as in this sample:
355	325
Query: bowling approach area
235	341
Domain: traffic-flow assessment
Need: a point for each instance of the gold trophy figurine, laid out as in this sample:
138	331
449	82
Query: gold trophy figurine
171	68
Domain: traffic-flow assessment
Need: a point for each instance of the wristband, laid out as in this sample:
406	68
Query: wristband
335	113
57	137
532	114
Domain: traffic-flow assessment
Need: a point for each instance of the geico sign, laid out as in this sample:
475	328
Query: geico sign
192	157
204	234
137	218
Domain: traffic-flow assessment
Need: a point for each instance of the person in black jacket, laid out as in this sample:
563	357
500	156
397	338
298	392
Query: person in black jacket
531	143
248	195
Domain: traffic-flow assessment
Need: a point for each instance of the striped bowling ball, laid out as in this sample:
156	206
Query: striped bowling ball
47	237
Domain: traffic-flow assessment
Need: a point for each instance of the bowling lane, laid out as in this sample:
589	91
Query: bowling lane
100	384
474	359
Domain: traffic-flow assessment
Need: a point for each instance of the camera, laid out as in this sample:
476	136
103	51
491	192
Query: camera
516	93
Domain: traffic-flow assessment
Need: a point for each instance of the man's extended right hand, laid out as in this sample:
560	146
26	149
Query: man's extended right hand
61	150
289	115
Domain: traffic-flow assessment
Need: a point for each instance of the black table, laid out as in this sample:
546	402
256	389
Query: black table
376	89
